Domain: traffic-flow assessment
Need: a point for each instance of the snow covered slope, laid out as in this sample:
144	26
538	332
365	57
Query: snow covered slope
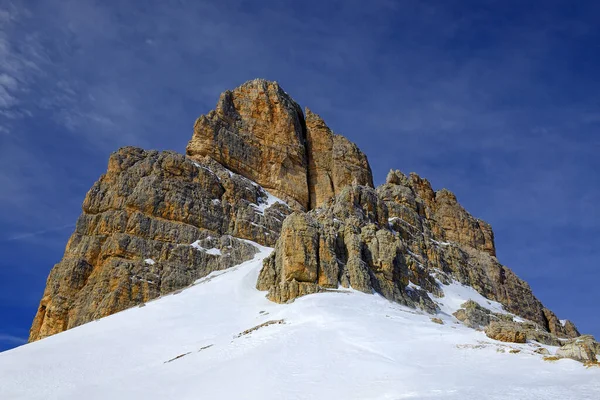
337	345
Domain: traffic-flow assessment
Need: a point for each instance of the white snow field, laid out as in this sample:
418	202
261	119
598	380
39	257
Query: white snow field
335	345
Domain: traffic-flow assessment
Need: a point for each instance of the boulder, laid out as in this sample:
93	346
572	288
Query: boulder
506	332
475	316
583	348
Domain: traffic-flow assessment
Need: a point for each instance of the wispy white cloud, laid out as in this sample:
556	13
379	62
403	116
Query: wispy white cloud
41	232
12	339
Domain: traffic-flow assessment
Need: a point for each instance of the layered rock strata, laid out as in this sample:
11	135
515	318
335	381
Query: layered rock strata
259	131
401	240
154	223
333	162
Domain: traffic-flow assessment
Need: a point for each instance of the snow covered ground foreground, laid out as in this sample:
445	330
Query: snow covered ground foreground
337	345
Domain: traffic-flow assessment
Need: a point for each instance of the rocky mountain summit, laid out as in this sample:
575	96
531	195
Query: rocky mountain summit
259	169
258	131
156	222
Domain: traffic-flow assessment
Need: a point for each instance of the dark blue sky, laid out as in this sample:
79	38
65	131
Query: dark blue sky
498	101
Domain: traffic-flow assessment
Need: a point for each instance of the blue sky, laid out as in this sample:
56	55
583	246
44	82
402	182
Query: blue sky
497	101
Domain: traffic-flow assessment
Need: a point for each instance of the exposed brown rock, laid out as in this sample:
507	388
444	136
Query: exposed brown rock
502	327
133	241
459	226
298	256
394	240
475	316
571	330
152	205
568	330
403	240
346	243
506	332
258	131
333	162
584	349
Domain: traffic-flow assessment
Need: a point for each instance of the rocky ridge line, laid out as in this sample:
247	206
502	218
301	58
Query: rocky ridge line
156	222
402	240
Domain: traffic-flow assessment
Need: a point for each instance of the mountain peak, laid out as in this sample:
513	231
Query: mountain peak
259	131
259	169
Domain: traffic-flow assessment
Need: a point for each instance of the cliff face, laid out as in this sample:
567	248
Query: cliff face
401	240
258	131
156	222
333	162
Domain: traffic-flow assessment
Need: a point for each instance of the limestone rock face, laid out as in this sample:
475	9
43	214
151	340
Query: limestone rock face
459	226
347	243
398	240
556	327
133	241
260	132
333	162
570	329
257	130
154	223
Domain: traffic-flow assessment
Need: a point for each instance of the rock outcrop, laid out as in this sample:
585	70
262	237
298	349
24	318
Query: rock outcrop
154	223
506	332
584	349
475	316
401	240
348	242
333	162
258	131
